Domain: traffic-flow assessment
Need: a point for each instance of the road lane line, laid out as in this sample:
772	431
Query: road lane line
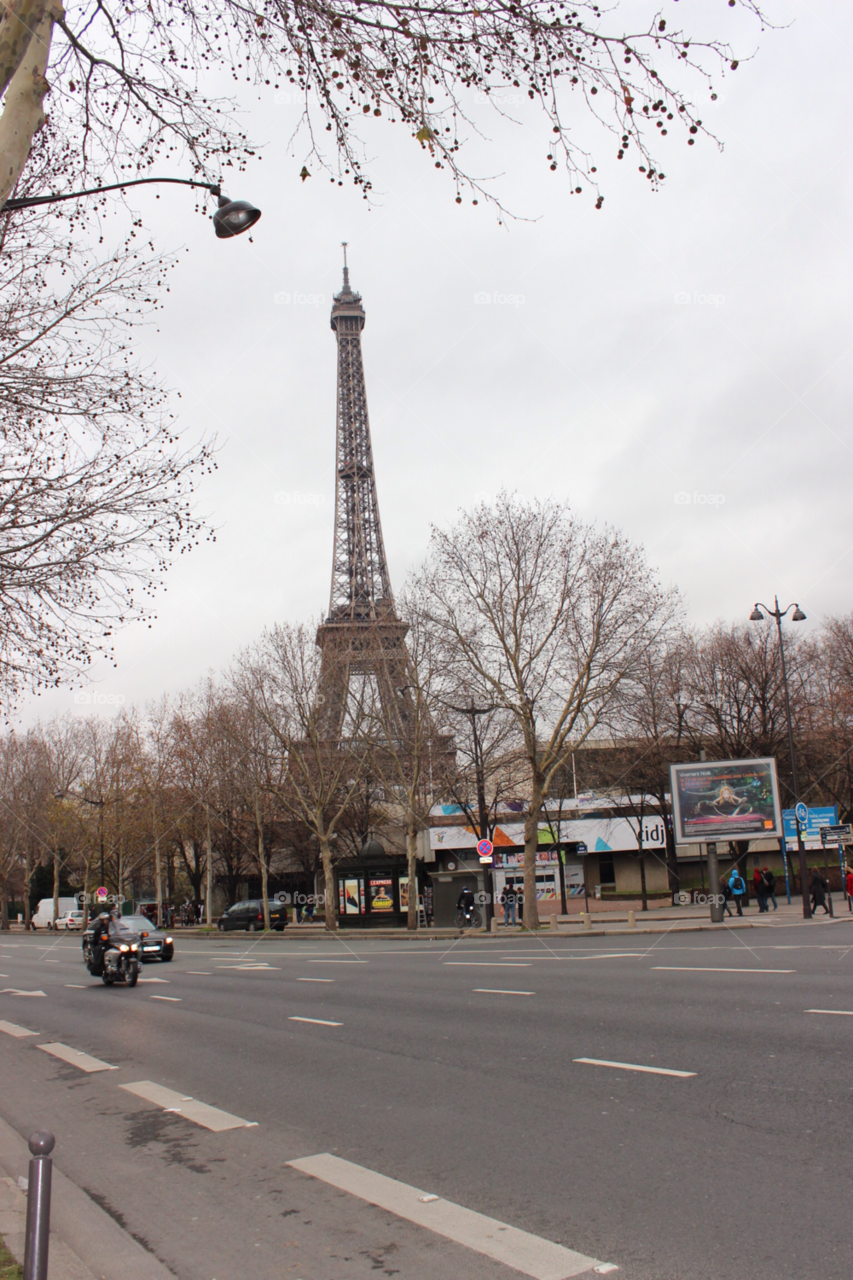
321	1022
315	979
12	1029
495	991
76	986
839	1013
696	968
13	991
631	1066
198	1112
199	973
166	980
76	1058
489	964
338	962
171	999
531	1255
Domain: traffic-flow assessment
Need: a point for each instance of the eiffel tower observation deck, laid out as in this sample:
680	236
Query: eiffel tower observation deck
362	632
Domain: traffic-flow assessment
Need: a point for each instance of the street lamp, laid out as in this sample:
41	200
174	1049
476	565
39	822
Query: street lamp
482	808
796	616
232	218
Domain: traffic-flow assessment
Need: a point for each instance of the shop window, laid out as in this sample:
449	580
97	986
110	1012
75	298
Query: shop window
606	873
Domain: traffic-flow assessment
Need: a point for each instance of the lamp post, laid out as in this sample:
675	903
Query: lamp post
232	217
482	809
796	616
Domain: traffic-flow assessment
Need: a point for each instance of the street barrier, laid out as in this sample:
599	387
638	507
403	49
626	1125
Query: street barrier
38	1206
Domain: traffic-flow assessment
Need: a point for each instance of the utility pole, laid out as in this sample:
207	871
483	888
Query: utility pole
472	713
797	616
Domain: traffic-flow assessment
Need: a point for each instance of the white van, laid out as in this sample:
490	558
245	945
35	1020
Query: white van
43	917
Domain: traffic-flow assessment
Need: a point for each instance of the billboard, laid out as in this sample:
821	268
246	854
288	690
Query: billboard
725	800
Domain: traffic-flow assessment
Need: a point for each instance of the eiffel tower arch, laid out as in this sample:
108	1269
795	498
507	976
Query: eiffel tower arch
362	634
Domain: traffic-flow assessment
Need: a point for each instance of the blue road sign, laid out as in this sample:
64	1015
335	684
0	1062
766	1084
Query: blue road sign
810	823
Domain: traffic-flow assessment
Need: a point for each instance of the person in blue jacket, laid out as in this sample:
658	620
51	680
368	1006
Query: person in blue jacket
737	884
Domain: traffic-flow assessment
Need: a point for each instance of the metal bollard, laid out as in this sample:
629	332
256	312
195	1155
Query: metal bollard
38	1206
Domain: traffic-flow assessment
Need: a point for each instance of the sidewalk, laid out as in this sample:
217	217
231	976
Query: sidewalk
85	1242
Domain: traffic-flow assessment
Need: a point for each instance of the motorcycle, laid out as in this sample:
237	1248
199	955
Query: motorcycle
121	961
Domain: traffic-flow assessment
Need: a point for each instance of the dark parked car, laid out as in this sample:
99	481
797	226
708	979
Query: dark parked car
153	943
250	916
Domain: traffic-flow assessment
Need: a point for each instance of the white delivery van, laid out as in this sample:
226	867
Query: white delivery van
43	916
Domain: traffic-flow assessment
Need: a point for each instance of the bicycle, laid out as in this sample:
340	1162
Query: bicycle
468	919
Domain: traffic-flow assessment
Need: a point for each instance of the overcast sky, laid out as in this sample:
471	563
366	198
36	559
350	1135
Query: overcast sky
676	364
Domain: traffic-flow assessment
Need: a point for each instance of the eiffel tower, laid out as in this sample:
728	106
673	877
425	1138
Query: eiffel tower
362	634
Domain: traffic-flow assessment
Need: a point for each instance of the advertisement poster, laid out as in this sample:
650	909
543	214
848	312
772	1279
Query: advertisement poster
404	893
350	895
381	893
725	800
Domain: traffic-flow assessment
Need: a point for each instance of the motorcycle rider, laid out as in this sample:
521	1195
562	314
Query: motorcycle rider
100	944
465	902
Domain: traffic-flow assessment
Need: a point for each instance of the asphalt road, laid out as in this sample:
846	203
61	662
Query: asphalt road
740	1171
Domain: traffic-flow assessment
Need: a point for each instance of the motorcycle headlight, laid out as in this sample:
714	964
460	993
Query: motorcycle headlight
134	947
123	946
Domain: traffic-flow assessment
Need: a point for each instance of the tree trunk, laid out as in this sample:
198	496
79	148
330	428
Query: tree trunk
28	871
328	885
412	854
56	872
158	870
262	863
531	845
23	112
208	896
4	910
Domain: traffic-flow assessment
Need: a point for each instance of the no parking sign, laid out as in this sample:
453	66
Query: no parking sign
485	848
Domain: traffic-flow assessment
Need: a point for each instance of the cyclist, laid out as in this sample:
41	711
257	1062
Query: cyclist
465	902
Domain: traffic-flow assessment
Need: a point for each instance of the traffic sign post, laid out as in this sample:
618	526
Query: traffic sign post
839	834
485	848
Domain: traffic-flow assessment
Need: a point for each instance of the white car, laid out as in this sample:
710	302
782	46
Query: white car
70	920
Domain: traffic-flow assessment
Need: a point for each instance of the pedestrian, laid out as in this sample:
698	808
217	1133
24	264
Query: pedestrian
509	898
297	908
770	889
818	888
849	885
727	894
758	888
737	884
309	910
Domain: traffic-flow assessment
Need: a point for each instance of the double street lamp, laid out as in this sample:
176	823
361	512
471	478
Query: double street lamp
232	217
797	616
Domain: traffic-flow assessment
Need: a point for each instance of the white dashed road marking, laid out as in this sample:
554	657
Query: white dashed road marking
200	973
528	1254
13	991
631	1066
839	1013
315	979
12	1029
321	1022
76	1058
695	968
490	964
199	1112
495	991
171	999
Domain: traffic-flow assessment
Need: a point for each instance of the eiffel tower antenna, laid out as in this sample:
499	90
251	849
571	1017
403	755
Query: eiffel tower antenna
362	633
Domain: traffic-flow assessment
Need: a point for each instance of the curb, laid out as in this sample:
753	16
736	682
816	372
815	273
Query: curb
86	1235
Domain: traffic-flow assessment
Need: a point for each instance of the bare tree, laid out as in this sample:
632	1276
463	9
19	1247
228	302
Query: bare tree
129	81
313	778
544	616
95	486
